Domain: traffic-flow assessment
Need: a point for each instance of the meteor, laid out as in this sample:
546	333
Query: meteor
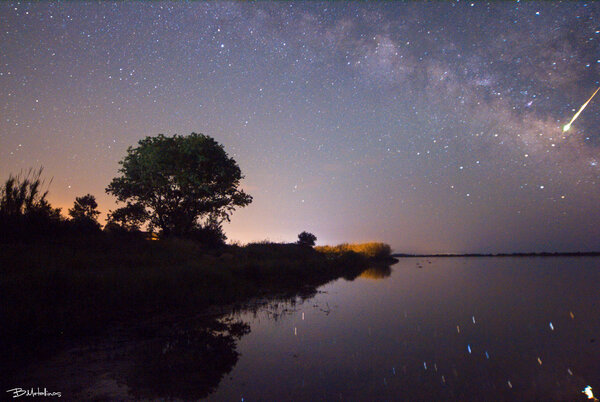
568	125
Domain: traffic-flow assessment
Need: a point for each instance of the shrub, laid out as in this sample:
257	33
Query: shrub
209	236
24	211
23	195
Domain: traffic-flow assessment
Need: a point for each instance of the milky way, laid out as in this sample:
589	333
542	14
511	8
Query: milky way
434	127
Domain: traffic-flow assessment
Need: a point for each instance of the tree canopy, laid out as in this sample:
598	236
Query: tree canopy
307	239
183	183
84	214
85	208
129	218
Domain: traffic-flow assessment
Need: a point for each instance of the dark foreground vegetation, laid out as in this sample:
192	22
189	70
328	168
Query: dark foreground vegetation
69	286
63	279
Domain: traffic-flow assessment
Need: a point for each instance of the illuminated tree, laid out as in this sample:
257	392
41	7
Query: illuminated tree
183	183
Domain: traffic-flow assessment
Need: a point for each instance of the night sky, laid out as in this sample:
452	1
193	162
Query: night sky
435	127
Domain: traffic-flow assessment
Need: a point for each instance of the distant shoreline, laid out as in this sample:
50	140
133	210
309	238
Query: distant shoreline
542	254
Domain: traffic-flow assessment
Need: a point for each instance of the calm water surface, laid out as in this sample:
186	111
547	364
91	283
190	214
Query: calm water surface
428	329
435	329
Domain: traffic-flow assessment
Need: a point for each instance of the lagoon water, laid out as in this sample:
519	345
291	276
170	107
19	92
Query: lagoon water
523	328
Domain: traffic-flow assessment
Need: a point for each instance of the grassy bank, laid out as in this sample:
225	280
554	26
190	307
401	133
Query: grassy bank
374	250
66	288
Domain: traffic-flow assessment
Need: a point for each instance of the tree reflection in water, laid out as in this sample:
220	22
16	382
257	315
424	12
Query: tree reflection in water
187	362
170	357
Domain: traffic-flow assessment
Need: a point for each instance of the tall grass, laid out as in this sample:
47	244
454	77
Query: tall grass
25	213
22	195
372	250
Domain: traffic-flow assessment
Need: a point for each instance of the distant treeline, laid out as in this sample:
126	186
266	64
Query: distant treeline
540	254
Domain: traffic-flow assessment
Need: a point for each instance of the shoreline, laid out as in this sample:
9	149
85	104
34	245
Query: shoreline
62	291
540	254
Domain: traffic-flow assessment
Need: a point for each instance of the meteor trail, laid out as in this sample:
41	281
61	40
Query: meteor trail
568	125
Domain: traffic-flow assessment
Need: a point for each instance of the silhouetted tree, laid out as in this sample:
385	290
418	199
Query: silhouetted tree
129	218
85	208
307	239
84	214
180	181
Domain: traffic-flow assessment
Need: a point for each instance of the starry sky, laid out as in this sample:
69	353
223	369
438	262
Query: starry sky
435	127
